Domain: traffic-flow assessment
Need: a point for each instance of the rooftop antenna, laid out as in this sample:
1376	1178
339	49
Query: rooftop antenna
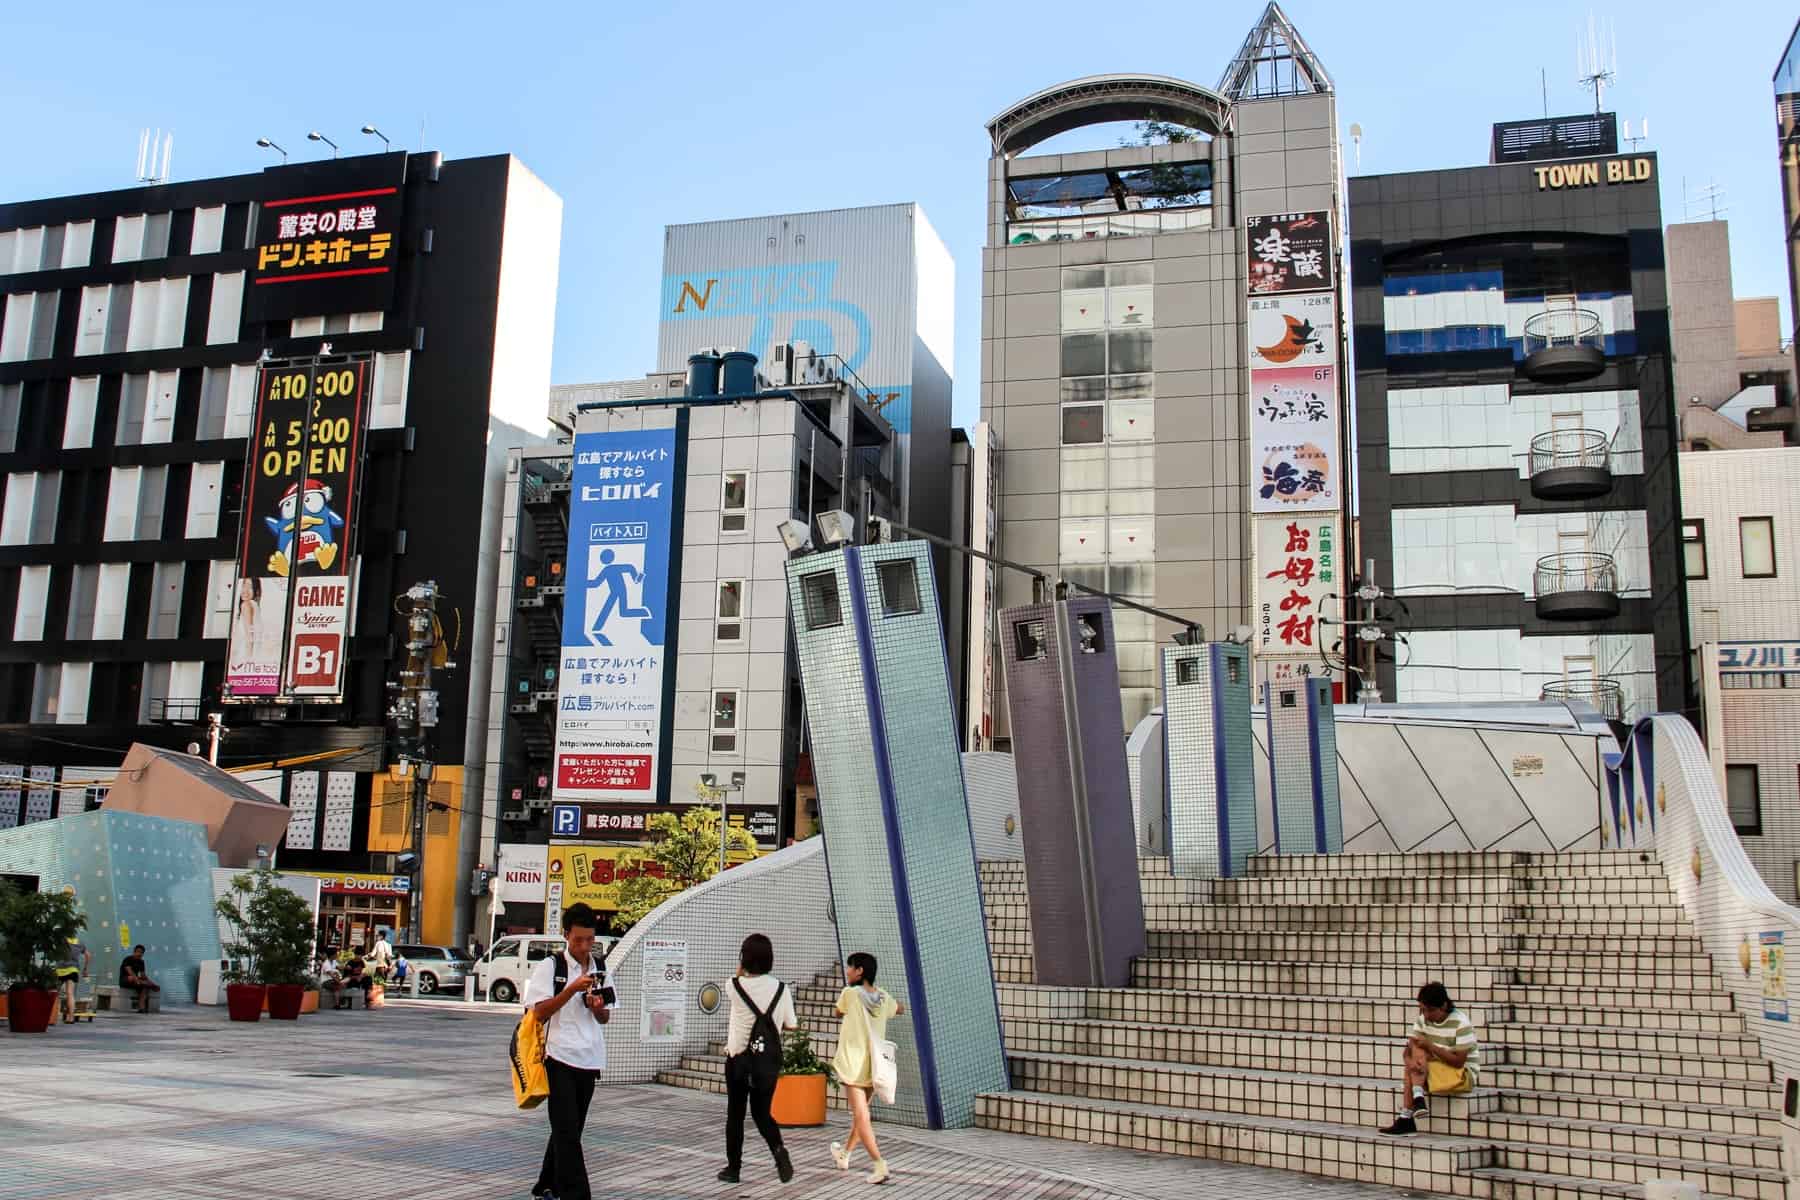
1707	197
1643	133
1597	61
155	151
1356	140
1544	86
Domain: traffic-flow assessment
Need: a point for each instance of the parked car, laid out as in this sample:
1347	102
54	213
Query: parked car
440	968
502	971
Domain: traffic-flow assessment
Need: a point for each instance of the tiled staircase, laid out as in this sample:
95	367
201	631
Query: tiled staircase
1267	1020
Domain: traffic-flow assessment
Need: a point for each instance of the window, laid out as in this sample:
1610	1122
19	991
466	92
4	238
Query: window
1187	671
165	608
28	326
209	230
12	403
203	500
1083	424
1743	798
734	497
1090	632
28	613
46	691
226	306
84	591
724	722
1028	640
1693	549
730	611
1756	542
78	420
899	587
819	596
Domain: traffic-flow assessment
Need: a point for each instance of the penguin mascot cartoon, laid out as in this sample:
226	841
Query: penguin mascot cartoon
306	530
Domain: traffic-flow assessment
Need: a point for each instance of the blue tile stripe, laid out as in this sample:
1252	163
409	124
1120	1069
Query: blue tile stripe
1221	775
1321	846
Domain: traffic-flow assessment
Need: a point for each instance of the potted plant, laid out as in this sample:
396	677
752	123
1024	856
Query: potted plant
271	948
35	928
800	1092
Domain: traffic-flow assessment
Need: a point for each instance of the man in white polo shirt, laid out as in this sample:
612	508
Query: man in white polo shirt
574	1049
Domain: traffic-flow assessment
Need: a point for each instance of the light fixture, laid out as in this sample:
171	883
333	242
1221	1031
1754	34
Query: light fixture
404	862
710	782
795	536
737	781
379	134
316	136
1241	634
266	144
836	527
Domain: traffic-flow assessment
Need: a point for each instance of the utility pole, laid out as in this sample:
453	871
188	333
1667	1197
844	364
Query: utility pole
1368	635
413	712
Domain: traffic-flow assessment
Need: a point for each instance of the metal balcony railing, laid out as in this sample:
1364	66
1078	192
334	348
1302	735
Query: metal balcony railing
1562	344
1606	696
1561	449
184	711
1563	328
1575	571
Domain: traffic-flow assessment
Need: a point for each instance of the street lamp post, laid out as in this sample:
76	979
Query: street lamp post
722	793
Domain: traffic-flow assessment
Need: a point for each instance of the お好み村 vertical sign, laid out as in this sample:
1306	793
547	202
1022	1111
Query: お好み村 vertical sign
291	606
617	627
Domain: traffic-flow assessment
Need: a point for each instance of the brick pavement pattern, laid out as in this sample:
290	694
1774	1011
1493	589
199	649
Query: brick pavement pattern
412	1101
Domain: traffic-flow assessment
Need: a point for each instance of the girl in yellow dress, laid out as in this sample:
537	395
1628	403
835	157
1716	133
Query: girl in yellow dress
864	1008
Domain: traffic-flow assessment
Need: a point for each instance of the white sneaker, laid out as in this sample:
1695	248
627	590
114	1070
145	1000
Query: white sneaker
840	1156
880	1172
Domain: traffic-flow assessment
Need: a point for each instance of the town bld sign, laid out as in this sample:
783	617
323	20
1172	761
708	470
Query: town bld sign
1592	174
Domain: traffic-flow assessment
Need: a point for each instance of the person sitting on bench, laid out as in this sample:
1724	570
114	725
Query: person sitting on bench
133	979
354	977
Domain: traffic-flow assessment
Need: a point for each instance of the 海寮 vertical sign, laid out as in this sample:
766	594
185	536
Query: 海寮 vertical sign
291	608
616	621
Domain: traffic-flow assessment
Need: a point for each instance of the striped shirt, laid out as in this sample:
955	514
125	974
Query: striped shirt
1454	1032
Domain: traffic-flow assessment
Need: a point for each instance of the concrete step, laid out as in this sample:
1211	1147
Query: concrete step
1707	1120
1505	1183
1576	864
1422	1163
1406	888
1643	1141
1741	1084
1401	979
1616	1166
1622	952
1624	1035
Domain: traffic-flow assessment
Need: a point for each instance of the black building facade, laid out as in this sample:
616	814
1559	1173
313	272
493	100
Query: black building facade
132	324
1516	425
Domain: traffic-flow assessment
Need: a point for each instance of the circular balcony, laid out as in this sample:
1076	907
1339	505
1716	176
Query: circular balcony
1564	344
1570	464
1576	586
1605	695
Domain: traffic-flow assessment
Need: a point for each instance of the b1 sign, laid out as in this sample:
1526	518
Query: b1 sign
615	615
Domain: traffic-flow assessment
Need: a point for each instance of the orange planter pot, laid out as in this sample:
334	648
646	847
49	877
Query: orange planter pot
310	1003
799	1100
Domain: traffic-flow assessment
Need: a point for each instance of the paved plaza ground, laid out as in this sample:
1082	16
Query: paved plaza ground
413	1100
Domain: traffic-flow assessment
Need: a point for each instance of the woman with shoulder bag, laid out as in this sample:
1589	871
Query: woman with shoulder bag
863	1058
761	1007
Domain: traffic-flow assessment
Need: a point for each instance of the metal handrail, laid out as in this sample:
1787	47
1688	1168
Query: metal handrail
1575	571
1555	328
1560	448
171	711
1607	697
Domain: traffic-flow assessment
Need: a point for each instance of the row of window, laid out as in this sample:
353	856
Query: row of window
135	238
1756	548
118	504
143	408
77	693
124	601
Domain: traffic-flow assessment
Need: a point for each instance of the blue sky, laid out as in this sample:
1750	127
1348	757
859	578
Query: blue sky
697	111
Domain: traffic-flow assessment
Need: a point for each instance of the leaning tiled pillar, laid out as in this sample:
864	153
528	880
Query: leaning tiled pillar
1303	768
898	848
1068	736
1210	780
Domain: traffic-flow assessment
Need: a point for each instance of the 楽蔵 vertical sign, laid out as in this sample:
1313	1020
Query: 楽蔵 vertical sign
1291	252
616	626
291	608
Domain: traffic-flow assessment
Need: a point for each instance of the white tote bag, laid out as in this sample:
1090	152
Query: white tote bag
884	1062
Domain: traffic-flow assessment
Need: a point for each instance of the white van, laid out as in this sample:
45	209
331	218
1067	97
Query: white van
502	971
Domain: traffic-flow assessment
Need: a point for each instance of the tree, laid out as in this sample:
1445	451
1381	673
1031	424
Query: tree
35	928
1171	185
686	849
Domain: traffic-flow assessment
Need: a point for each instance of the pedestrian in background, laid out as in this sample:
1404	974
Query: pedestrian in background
865	1009
574	1048
381	958
74	965
761	1007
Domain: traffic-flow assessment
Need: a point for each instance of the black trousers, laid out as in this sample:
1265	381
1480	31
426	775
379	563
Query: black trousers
565	1171
741	1092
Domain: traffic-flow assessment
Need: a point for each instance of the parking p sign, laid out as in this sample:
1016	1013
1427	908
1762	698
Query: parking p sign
565	820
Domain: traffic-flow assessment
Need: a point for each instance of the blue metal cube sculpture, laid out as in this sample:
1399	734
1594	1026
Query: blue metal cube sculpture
1303	770
1210	782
